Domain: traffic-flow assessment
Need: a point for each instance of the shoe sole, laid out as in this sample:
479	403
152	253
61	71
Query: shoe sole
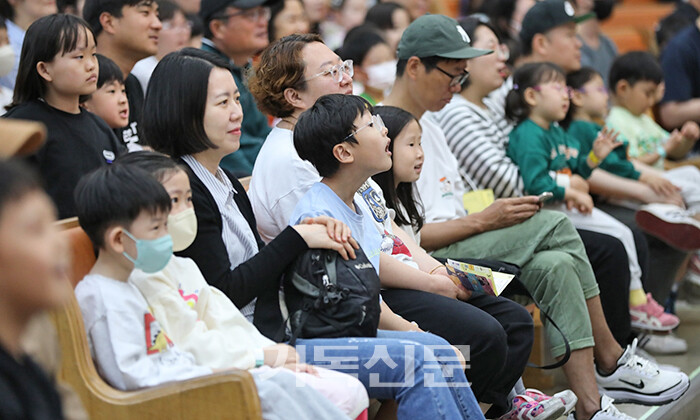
629	397
645	327
552	415
679	235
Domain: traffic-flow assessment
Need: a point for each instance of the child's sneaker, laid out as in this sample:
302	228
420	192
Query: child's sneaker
527	408
663	343
671	224
567	397
637	380
651	316
607	411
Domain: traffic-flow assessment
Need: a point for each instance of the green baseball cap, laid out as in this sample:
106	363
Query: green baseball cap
436	35
548	14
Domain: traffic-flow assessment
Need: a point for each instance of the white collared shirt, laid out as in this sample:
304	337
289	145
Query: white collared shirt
236	233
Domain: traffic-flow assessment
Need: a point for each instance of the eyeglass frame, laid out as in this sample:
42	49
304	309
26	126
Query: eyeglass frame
347	64
569	90
376	119
260	12
457	79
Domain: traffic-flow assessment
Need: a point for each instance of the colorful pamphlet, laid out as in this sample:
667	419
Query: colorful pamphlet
478	279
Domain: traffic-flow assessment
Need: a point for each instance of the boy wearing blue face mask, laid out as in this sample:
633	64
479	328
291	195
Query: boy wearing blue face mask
124	211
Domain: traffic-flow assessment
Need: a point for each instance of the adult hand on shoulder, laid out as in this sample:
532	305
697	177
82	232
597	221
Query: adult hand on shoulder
319	235
506	212
577	182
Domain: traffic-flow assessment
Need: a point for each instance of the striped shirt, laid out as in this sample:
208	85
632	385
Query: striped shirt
236	233
479	138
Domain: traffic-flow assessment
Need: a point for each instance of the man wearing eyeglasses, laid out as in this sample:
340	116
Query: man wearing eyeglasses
237	30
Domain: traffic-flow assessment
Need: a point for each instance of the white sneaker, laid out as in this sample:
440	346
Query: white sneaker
671	224
663	343
637	380
607	411
662	366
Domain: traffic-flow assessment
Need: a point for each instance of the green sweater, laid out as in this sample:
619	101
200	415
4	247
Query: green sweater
616	162
538	152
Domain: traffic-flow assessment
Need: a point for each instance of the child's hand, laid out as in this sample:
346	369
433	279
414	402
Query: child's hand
578	200
577	182
302	368
605	143
443	285
673	141
278	355
318	235
690	131
659	184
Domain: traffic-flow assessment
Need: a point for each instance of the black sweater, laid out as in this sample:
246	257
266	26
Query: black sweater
259	277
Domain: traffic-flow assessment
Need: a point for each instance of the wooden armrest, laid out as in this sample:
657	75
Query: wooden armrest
225	395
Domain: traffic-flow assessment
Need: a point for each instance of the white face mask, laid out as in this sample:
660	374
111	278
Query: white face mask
182	227
381	76
7	59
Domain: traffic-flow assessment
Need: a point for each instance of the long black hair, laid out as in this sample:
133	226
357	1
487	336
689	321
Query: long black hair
45	38
396	119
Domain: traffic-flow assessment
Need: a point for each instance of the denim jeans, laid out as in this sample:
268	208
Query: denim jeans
419	370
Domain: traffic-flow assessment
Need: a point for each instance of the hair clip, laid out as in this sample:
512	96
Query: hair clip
515	87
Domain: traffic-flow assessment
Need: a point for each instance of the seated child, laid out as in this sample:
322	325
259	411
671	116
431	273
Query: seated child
634	79
202	320
124	211
109	101
347	145
34	279
538	145
647	185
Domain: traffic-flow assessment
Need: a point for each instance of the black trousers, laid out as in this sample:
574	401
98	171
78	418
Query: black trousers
499	333
609	261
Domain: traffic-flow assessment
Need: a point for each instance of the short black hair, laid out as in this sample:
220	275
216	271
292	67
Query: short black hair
116	195
404	195
45	38
326	124
358	41
167	9
528	76
173	112
635	66
109	72
160	166
429	63
16	181
382	14
94	8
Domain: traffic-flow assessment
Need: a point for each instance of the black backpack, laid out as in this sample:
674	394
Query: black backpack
328	297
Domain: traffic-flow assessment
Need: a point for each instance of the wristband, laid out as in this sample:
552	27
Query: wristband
593	158
259	357
661	152
436	268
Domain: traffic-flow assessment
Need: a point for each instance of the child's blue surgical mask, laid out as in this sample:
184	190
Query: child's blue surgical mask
152	255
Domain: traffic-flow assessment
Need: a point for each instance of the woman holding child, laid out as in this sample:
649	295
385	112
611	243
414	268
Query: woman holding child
231	255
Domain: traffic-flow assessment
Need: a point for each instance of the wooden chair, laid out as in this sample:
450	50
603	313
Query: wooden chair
230	395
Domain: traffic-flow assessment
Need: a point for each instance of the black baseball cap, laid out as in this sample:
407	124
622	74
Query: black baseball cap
548	14
436	35
211	7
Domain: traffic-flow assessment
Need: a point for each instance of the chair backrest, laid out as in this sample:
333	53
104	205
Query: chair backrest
82	253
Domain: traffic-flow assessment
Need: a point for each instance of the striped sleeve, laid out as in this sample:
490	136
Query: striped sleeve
479	140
